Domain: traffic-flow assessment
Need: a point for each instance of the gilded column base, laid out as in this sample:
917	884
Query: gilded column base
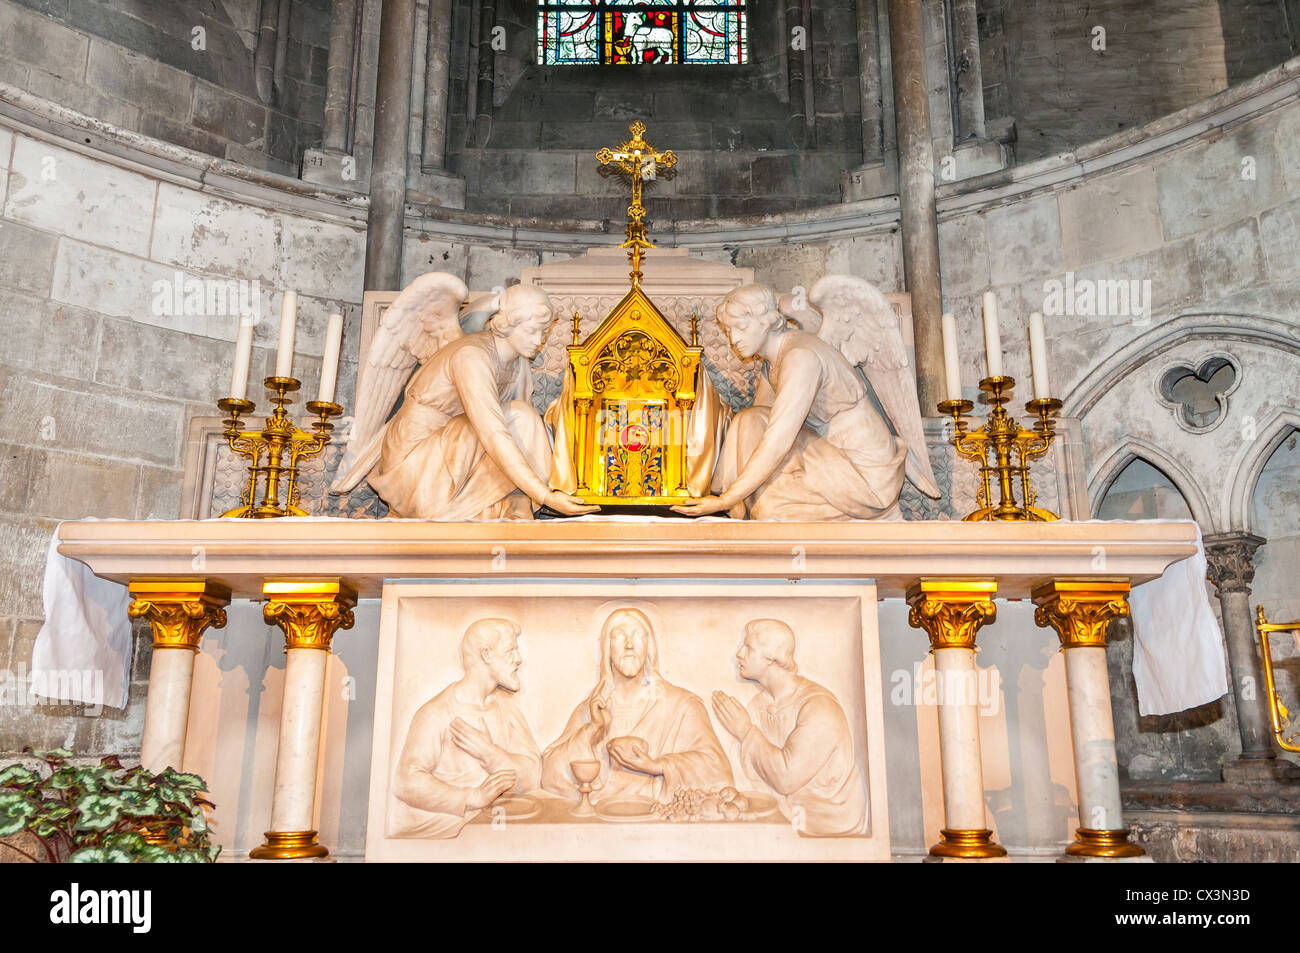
971	845
289	845
157	835
1090	843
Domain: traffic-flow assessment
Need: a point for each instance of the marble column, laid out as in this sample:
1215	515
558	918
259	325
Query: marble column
392	133
1229	558
951	611
178	610
916	196
1080	612
309	612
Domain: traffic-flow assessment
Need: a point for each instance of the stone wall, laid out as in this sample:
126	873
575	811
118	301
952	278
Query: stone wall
1209	218
530	152
136	66
105	360
1159	56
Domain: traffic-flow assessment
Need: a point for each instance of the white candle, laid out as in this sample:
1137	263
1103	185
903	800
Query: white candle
950	367
329	367
243	357
992	341
288	320
1038	357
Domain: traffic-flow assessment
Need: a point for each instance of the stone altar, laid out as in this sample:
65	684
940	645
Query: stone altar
1020	784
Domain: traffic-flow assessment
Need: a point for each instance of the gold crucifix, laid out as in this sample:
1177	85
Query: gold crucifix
637	160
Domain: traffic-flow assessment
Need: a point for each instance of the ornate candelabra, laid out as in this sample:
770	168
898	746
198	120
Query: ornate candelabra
1011	447
278	437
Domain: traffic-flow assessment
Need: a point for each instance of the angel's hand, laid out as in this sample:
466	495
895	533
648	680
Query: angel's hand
566	504
704	506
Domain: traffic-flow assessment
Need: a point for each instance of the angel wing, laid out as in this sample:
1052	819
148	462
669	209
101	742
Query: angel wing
858	320
422	319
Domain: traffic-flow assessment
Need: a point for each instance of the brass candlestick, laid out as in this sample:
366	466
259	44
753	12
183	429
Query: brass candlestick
1277	711
276	438
1012	446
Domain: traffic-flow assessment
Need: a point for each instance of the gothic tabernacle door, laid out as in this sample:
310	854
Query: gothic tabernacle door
632	400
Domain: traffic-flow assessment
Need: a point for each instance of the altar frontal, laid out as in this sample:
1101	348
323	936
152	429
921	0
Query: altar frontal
623	722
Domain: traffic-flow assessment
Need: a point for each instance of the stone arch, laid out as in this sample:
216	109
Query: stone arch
1103	476
1119	364
1272	433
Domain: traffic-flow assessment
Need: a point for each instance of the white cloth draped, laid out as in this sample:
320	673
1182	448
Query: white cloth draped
1178	649
84	647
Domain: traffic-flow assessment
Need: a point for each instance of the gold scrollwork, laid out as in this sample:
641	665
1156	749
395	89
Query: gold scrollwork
635	364
178	610
1081	610
309	613
951	611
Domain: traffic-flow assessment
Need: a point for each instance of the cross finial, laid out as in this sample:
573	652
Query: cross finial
636	159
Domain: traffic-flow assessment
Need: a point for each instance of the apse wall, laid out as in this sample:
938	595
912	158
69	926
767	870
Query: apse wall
107	354
101	370
183	71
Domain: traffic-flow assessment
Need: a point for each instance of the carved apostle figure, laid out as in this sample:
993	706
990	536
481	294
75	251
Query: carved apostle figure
795	737
813	447
469	744
650	737
466	443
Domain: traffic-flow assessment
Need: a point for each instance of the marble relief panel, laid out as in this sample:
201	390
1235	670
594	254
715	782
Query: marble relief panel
689	720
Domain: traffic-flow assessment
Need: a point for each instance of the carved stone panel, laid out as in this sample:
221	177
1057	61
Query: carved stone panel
547	720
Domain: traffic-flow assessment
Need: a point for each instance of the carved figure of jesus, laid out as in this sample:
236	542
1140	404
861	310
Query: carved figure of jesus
650	736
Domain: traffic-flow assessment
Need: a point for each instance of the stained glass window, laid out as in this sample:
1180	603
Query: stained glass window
640	31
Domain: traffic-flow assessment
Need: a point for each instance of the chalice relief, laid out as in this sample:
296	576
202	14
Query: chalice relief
649	737
813	447
794	737
466	442
469	745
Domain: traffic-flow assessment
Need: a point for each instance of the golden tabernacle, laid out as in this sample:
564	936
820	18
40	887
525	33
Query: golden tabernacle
637	422
629	389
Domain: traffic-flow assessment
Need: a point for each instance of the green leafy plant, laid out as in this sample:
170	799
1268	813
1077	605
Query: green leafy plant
106	813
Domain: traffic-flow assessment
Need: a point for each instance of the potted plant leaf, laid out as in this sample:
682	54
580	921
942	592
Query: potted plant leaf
105	813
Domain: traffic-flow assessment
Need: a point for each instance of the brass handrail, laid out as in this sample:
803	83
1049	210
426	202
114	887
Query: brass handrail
1277	711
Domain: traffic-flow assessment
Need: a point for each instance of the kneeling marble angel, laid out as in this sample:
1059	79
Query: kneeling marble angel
813	447
466	442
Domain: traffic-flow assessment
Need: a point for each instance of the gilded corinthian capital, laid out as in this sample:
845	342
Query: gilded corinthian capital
179	610
309	612
1081	611
951	611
